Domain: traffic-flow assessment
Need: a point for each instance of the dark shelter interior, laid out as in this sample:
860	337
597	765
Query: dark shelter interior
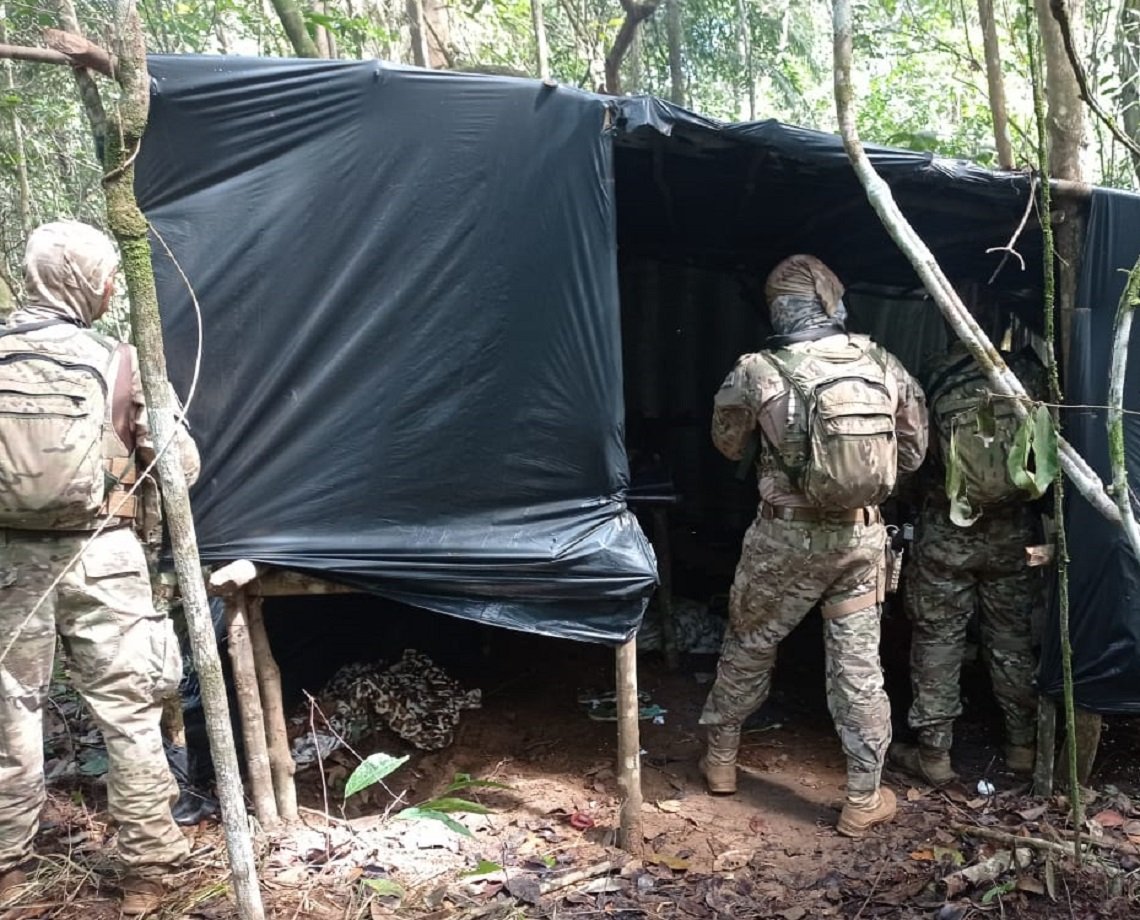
480	284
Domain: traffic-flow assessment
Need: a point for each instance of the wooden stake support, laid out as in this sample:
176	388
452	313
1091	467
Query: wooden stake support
1088	742
281	763
1046	746
252	716
664	554
630	835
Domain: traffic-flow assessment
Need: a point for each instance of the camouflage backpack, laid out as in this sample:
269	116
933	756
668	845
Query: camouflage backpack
976	434
57	433
840	447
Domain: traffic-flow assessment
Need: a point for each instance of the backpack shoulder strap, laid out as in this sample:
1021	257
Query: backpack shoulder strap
953	370
31	327
120	374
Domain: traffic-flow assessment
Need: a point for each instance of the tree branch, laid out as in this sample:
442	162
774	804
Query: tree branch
1004	381
293	22
81	52
1061	14
635	14
1118	369
35	55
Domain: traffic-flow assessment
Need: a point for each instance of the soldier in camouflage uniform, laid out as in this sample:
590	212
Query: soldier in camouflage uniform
957	569
93	592
797	555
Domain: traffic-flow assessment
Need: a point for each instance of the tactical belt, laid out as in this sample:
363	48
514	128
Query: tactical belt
849	606
770	512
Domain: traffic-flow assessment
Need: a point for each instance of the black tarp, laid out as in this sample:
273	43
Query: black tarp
411	374
1104	576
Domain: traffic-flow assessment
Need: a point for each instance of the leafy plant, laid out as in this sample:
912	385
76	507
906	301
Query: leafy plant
377	767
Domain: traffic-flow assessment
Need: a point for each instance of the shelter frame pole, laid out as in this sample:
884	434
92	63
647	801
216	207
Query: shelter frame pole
630	835
281	763
252	715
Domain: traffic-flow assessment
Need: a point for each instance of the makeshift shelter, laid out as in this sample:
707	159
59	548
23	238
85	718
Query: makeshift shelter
438	308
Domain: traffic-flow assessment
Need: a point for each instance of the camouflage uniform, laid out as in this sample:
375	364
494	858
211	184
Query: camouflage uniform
956	570
794	557
124	654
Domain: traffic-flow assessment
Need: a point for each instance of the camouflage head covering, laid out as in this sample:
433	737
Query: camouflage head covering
804	294
67	265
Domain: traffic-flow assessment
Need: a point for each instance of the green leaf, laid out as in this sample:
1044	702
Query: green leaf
1033	459
464	781
998	891
371	771
485	867
384	887
416	814
447	803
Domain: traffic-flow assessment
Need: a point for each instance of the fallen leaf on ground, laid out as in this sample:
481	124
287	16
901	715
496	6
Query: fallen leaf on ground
1132	828
1033	814
793	913
913	795
675	863
669	806
757	825
923	855
1109	818
942	854
1030	884
581	821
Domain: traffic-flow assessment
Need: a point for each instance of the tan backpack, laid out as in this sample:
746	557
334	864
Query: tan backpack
839	448
61	452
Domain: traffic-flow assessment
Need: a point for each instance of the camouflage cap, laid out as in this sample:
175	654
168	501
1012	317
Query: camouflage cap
805	276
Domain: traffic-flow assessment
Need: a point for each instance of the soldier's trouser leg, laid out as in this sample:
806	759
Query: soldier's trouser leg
771	592
126	659
857	698
940	600
1007	645
24	677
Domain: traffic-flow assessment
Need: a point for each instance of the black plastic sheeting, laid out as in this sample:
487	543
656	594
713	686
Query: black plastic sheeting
1104	575
412	378
411	374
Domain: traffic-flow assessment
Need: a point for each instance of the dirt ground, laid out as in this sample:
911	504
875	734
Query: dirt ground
771	851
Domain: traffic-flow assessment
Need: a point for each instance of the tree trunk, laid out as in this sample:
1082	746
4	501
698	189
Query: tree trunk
418	29
635	14
19	149
673	31
1066	133
744	32
996	83
541	47
1128	69
438	29
293	22
131	230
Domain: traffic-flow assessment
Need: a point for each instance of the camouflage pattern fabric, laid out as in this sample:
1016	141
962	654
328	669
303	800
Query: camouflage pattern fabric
955	571
124	659
785	569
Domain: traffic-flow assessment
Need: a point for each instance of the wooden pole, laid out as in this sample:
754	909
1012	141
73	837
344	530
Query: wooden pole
630	836
269	682
252	717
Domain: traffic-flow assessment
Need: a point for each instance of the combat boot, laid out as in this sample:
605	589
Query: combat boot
922	762
718	766
141	895
859	817
1020	758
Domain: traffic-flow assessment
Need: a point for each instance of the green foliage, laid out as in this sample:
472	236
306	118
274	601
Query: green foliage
1033	460
371	771
377	767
